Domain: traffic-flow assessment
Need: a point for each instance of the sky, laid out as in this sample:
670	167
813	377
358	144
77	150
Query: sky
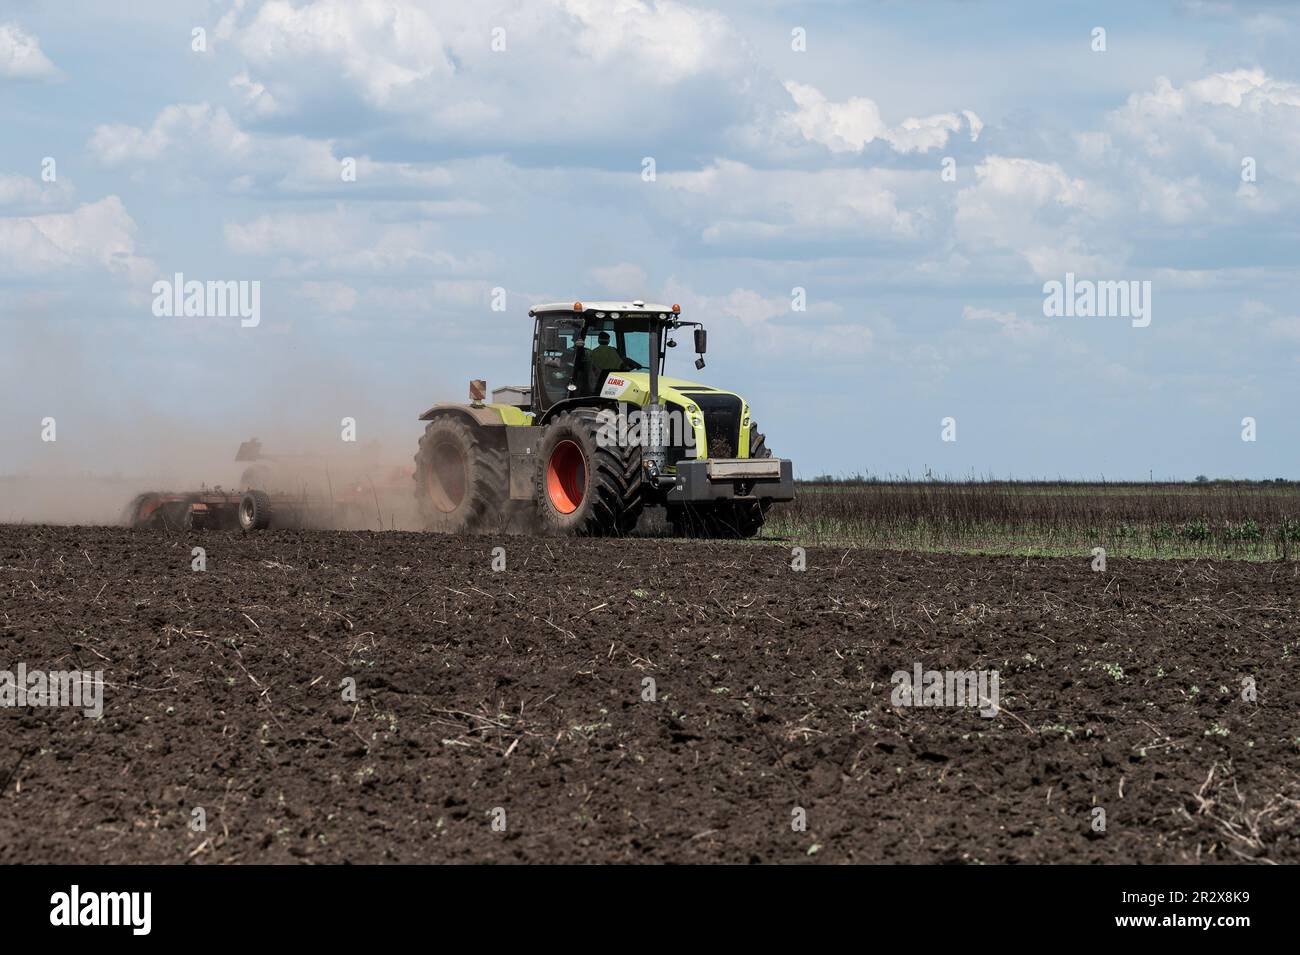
866	204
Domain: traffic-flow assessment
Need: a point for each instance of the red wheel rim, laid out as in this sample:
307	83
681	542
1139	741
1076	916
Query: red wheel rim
566	477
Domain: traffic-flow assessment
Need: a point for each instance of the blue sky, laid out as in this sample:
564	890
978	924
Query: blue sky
775	169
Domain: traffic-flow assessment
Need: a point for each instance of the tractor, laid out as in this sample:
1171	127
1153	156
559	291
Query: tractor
599	435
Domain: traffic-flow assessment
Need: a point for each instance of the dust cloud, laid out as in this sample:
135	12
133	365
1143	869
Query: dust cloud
168	410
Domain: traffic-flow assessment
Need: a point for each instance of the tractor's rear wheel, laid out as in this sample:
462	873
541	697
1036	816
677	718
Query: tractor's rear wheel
460	476
585	485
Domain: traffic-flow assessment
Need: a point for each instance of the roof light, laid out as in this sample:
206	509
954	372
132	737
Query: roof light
577	306
638	304
676	309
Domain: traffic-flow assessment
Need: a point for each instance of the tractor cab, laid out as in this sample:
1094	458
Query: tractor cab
577	348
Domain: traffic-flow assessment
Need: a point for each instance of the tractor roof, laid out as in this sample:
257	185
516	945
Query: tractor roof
633	306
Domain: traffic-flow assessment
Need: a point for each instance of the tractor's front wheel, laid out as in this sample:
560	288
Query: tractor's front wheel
587	485
460	477
726	519
741	519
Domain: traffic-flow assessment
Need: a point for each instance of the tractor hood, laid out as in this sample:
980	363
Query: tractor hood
633	387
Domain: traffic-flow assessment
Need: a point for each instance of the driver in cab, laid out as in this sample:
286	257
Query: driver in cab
605	357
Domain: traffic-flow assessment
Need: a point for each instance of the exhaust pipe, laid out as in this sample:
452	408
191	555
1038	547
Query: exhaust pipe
655	455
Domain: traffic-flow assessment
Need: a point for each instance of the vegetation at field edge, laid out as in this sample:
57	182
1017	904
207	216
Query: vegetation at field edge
1252	520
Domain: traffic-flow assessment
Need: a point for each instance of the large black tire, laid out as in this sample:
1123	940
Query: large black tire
255	511
725	520
460	477
585	486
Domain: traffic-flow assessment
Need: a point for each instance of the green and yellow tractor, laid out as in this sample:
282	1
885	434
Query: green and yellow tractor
599	435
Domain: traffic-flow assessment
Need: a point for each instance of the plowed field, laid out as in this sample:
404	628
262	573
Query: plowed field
507	715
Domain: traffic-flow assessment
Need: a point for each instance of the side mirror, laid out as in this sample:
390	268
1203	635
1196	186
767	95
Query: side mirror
701	341
551	338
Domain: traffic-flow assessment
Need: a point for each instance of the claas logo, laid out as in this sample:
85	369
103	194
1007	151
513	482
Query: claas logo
616	382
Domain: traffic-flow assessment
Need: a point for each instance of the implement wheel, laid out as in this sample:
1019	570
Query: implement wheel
255	511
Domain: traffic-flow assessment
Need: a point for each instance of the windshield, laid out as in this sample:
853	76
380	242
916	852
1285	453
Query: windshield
583	349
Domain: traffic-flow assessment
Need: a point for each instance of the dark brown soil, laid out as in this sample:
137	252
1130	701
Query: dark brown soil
523	690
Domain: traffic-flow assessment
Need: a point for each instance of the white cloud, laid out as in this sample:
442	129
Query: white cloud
21	194
624	280
670	41
1287	327
1170	200
333	297
1251	90
769	325
438	298
21	57
1036	212
451	208
731	202
1008	323
1223	117
852	125
307	234
746	306
198	126
257	101
1276	325
346	240
1175	156
427	68
95	235
199	139
385	46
